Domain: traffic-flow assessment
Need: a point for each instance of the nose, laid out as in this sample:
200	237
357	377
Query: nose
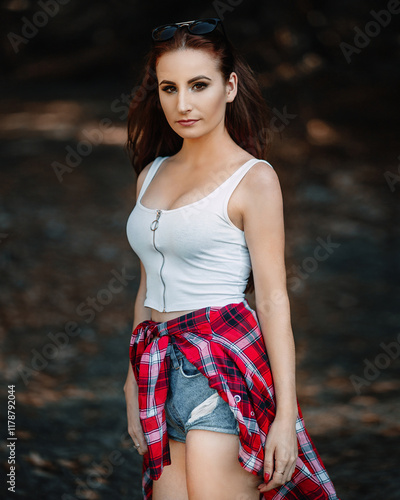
184	105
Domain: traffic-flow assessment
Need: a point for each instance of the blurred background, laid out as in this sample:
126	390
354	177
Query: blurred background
330	72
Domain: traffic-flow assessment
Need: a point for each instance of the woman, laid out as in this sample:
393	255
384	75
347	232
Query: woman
203	407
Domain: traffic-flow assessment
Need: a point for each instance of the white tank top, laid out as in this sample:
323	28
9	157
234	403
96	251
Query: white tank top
194	256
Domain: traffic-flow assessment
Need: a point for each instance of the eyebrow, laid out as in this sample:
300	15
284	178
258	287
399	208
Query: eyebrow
200	77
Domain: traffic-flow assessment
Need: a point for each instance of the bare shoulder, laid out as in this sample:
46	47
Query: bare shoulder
262	172
261	201
261	180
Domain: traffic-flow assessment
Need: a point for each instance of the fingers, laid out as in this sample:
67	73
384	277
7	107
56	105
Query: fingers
282	473
134	426
140	445
281	477
276	481
268	466
290	470
268	471
139	441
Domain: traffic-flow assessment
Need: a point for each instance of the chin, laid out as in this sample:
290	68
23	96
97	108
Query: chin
189	134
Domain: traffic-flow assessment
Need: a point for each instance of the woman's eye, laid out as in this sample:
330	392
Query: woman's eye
168	89
200	86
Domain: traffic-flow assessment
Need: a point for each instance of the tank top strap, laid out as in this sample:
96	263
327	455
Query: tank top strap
234	180
150	174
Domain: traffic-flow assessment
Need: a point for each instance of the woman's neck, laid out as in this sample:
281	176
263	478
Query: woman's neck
211	147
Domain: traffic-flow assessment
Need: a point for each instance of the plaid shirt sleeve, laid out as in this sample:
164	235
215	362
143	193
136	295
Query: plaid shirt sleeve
226	345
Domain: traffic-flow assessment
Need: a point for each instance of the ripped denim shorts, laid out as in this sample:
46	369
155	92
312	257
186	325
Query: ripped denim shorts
191	403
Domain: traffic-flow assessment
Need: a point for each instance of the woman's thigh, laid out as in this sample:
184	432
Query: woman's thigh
172	483
213	470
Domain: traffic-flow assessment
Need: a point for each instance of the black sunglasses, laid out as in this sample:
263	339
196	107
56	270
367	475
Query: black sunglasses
197	27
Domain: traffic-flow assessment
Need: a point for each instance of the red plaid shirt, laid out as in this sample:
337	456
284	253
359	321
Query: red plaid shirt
226	345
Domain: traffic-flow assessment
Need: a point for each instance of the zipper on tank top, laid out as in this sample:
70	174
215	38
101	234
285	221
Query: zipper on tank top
153	227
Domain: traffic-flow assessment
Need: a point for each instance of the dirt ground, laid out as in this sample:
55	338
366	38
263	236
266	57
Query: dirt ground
65	335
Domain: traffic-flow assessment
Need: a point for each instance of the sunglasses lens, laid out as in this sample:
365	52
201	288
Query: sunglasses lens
164	33
203	27
200	27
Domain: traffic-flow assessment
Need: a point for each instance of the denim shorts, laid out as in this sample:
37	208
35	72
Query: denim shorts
191	403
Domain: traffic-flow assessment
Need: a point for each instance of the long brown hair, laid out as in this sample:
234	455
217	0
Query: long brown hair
247	117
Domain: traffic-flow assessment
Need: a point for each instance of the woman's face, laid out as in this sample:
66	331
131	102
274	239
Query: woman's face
193	93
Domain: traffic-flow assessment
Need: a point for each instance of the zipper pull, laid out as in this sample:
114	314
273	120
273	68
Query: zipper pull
154	224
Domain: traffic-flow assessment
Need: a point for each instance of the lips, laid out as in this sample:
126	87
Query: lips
186	123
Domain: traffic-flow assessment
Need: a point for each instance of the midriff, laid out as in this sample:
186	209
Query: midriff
166	316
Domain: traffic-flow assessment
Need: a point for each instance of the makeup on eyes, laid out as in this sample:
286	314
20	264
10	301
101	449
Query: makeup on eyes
202	86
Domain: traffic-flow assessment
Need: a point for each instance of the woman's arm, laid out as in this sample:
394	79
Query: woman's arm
135	430
265	237
141	313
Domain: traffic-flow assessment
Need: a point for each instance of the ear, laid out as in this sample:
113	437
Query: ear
231	87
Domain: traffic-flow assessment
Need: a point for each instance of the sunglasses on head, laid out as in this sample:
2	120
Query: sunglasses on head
197	27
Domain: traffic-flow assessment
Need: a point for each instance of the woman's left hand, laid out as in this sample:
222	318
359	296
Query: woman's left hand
281	452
